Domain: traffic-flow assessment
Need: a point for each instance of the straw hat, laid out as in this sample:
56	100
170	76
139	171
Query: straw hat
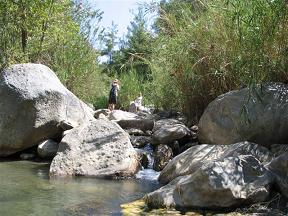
115	81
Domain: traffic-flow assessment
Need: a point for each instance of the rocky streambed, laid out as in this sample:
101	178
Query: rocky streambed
237	158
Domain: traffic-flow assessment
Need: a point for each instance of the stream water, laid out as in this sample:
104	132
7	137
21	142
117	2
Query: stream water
25	189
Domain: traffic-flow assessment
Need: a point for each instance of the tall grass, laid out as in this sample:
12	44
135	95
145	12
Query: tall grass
217	47
131	85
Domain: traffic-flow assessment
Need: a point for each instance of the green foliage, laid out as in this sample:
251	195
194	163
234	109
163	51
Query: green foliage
133	52
206	48
101	102
108	39
131	85
131	61
55	33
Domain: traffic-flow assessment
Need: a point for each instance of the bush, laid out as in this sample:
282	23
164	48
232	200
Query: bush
131	85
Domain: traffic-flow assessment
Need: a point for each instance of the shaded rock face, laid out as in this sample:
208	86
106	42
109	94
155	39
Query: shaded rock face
229	182
141	124
96	148
278	149
47	149
262	121
140	141
162	155
195	157
279	170
143	158
166	131
33	102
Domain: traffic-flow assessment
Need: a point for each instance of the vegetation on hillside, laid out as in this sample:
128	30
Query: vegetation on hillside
196	50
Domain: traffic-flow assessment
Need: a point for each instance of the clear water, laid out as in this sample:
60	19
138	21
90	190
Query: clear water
25	189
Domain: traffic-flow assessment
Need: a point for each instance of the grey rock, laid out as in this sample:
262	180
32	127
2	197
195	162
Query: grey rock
117	115
64	125
193	158
279	169
96	148
230	182
141	124
165	122
133	108
32	104
102	116
143	158
135	132
233	118
169	131
278	149
47	149
162	155
194	128
105	112
140	141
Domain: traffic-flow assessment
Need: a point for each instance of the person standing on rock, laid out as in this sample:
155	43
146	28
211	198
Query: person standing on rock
113	94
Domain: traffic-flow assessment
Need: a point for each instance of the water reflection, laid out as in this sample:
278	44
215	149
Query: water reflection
25	189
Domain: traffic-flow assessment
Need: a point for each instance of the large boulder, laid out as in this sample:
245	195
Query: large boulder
32	104
167	131
97	148
230	182
255	115
192	159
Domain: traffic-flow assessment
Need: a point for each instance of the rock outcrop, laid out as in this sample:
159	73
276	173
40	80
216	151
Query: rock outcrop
97	148
192	159
33	103
256	115
224	183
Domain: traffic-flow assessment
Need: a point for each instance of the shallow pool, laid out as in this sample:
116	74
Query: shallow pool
25	189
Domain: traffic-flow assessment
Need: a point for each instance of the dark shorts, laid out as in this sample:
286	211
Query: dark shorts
112	99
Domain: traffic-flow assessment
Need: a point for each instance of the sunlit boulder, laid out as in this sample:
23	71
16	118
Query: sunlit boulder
32	104
257	115
96	148
192	159
224	183
168	130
